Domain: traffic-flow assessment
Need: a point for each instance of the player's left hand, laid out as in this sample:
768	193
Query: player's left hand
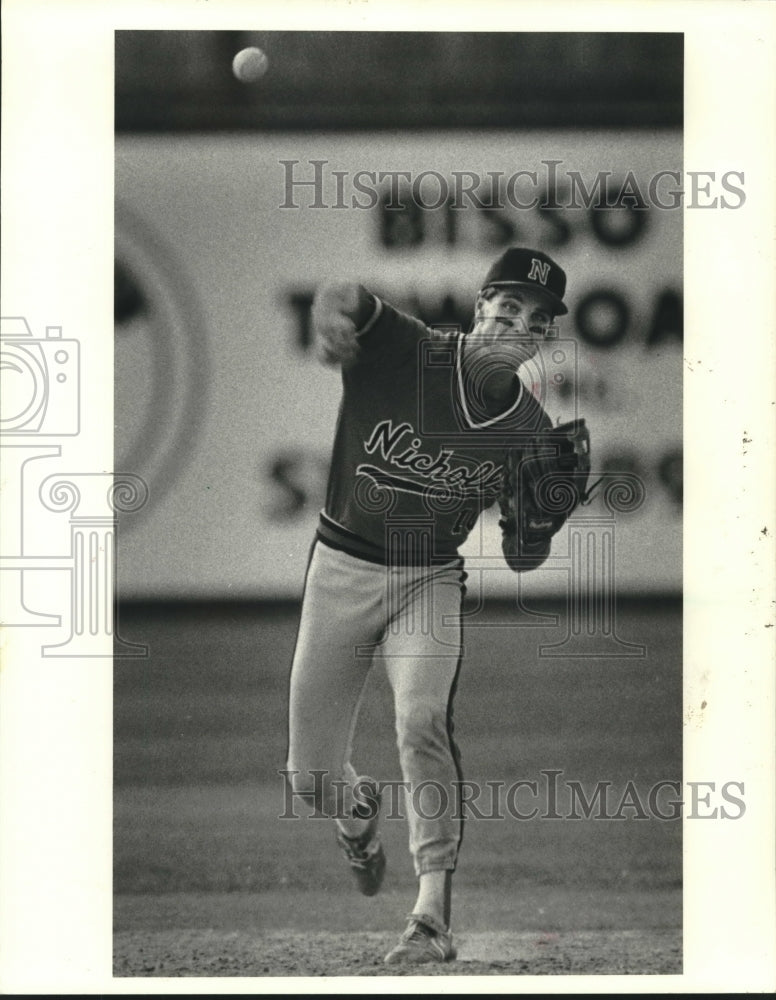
544	482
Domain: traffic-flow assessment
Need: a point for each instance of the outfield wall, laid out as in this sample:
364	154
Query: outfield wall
220	405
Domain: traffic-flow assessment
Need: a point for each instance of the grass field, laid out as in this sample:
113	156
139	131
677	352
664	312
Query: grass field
209	881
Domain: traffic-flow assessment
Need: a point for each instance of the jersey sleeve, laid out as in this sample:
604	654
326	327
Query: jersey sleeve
390	337
527	419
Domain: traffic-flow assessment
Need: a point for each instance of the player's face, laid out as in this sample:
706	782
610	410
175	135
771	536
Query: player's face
510	321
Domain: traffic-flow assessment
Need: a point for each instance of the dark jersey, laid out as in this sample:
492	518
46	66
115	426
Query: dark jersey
416	459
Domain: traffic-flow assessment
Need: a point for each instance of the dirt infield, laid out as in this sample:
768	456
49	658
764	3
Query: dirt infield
499	932
325	953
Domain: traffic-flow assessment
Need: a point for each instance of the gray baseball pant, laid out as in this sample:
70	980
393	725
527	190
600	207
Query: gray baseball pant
355	614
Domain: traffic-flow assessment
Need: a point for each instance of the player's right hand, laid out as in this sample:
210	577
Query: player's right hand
337	314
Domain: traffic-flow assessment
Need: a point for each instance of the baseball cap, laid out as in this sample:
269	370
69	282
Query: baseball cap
533	269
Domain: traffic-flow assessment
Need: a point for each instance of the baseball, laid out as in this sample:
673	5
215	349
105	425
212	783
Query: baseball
250	65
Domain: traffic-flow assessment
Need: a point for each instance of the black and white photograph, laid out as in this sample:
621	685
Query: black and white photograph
379	568
377	292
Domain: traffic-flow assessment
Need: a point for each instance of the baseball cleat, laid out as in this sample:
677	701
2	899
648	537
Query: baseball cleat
425	940
365	853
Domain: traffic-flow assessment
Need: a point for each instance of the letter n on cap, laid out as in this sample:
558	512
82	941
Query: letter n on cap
540	271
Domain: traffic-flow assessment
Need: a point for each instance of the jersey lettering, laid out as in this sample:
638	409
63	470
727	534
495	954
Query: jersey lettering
388	440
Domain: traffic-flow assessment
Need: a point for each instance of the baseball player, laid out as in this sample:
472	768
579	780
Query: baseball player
429	426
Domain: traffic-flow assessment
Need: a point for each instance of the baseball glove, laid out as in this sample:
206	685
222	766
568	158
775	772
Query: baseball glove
544	481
